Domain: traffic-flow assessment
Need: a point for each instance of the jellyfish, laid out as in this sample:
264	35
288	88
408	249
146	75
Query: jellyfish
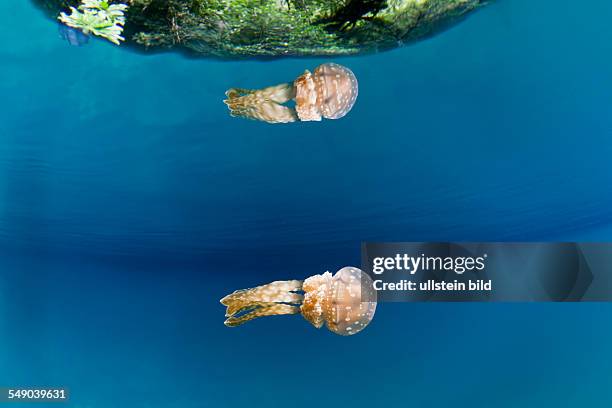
345	302
329	92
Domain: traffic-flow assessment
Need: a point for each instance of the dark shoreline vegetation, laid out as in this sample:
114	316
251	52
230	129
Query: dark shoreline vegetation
274	28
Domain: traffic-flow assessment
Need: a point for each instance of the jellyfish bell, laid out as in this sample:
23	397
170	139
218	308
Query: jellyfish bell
329	92
345	302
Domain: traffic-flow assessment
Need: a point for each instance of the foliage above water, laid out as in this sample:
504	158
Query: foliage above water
266	28
97	17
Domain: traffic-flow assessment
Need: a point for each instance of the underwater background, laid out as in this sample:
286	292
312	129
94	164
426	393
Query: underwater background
131	203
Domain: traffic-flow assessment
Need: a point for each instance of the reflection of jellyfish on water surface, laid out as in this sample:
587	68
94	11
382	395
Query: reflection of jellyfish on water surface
329	92
344	302
73	36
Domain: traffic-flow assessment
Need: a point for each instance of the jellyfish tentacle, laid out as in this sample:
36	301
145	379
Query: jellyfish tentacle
277	292
262	104
281	93
246	307
269	309
234	93
241	307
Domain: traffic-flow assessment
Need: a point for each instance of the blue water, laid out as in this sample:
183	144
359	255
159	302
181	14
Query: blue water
130	202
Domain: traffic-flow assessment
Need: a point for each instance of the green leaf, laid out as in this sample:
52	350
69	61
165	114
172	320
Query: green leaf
98	18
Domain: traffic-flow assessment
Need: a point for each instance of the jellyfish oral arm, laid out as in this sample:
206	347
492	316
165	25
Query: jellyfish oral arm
260	310
276	298
263	104
282	93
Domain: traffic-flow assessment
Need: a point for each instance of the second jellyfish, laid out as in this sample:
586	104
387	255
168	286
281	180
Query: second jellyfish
329	92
